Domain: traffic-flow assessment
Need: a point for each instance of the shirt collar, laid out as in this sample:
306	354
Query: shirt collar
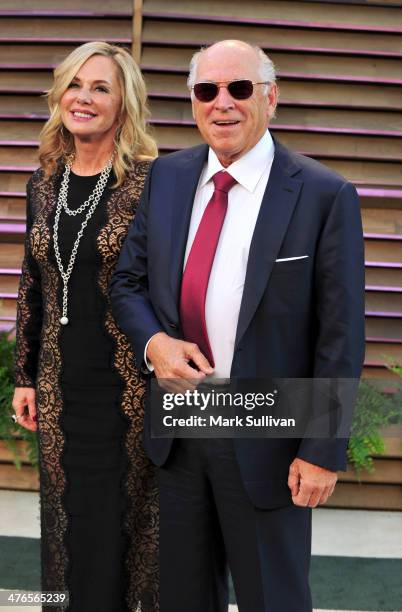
248	169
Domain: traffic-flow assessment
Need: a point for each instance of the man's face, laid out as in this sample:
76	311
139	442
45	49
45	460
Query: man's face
232	127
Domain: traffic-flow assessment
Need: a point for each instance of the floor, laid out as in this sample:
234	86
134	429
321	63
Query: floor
369	540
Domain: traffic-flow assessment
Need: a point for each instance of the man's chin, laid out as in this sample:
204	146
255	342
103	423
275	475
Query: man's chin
227	156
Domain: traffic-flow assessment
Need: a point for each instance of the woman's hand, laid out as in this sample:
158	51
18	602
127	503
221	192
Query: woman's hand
24	405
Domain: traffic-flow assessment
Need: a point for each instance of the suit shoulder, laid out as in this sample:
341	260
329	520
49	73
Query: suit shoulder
172	160
322	186
318	172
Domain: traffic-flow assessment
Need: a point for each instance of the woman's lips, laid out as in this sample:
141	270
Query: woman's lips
82	116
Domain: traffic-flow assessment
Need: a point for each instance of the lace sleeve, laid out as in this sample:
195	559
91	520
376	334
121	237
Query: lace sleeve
29	311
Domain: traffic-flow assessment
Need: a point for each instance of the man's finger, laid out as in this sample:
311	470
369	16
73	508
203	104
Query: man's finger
331	489
192	375
303	497
199	359
293	481
172	385
301	500
315	498
324	496
182	372
182	385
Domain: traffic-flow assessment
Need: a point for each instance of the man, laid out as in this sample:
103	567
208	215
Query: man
246	261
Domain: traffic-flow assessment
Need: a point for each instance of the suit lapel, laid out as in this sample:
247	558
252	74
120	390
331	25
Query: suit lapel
187	178
277	206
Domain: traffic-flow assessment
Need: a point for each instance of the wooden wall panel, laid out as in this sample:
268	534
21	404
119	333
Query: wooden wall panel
33	40
340	79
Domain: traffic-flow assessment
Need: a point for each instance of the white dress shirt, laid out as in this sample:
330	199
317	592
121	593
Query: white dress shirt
226	282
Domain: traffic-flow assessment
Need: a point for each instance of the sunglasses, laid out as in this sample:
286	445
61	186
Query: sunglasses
239	90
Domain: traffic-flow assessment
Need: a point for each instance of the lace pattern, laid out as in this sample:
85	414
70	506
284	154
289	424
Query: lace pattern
29	311
40	278
48	393
141	517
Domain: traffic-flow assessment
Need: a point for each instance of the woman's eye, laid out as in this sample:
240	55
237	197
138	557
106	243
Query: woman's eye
100	88
73	85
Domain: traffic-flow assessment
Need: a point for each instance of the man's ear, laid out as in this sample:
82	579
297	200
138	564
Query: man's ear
192	105
273	96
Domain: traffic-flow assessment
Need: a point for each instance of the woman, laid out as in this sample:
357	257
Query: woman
76	380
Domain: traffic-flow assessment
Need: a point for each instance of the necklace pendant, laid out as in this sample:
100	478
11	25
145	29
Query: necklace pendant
92	202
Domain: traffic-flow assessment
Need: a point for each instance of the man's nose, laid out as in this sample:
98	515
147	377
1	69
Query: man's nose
224	100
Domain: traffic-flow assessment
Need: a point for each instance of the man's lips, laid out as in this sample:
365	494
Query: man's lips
224	126
226	122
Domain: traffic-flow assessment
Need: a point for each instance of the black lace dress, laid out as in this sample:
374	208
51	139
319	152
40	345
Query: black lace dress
98	492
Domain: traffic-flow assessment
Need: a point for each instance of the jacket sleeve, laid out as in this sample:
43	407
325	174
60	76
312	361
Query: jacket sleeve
131	305
29	311
340	345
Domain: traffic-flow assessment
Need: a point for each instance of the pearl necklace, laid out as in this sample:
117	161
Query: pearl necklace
91	202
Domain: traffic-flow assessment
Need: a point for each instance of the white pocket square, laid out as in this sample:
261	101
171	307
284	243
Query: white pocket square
291	258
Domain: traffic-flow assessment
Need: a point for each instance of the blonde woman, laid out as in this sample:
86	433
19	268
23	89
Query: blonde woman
76	379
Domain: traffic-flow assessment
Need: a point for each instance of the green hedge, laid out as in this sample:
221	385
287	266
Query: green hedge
10	431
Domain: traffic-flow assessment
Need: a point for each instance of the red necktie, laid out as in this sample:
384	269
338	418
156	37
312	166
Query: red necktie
199	264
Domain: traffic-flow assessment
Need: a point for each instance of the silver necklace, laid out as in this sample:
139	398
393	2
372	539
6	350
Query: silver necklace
92	203
99	187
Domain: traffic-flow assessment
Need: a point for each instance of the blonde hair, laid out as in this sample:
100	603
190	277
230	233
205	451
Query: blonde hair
133	140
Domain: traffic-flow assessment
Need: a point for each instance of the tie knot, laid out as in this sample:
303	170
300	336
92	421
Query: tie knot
223	181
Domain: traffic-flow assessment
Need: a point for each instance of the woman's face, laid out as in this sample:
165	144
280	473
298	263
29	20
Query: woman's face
90	106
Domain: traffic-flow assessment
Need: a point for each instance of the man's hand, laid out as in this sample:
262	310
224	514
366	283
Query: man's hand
170	358
310	484
24	405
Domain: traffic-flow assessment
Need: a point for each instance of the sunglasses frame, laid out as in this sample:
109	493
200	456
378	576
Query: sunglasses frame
226	84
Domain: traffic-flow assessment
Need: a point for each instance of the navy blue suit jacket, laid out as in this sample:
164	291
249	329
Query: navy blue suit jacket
301	319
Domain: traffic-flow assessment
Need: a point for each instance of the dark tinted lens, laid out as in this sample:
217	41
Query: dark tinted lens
205	92
241	90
